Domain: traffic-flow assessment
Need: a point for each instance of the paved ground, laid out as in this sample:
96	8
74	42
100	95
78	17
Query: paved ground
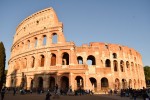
34	96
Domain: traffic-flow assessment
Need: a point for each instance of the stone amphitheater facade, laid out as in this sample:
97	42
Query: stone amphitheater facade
41	58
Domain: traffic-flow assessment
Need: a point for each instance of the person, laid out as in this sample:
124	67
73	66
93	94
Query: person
48	95
2	93
14	91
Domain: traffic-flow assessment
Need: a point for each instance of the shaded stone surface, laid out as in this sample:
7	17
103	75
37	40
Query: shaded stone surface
83	97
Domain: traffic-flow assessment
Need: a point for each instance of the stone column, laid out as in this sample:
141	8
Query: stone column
32	43
60	37
28	82
86	86
37	61
47	60
125	68
71	82
40	41
58	58
72	57
119	70
45	82
49	39
58	80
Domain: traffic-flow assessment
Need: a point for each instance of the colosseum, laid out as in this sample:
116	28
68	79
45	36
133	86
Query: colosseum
42	58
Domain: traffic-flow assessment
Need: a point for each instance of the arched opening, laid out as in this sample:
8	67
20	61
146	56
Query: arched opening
132	66
117	84
53	60
42	60
124	84
122	66
28	44
65	59
115	65
31	86
104	83
33	61
79	82
35	39
40	83
23	81
127	64
134	84
107	63
91	60
51	83
93	83
64	83
80	60
25	63
130	83
54	38
44	39
114	55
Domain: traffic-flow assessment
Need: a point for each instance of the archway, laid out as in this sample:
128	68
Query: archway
65	59
117	84
40	83
64	83
79	82
53	59
107	63
124	84
80	60
130	83
104	83
115	65
31	84
93	83
51	83
91	60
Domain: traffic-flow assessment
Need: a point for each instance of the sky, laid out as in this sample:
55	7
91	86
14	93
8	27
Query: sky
124	22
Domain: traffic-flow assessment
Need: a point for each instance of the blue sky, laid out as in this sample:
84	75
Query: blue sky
125	22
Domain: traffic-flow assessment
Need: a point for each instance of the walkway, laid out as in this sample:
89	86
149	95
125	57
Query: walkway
34	96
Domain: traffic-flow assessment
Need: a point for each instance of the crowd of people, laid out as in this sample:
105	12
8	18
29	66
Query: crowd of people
131	93
135	93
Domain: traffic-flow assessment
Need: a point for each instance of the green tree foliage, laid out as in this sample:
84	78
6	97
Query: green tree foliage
147	74
2	63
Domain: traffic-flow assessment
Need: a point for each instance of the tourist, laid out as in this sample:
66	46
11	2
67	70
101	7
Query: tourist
2	93
14	91
48	95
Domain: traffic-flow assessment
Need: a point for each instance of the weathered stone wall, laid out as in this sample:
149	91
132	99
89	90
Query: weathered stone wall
41	58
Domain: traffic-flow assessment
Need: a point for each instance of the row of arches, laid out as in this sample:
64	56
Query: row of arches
65	60
122	65
79	82
64	83
35	42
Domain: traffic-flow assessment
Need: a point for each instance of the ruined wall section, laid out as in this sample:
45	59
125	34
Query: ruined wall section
36	27
38	21
129	61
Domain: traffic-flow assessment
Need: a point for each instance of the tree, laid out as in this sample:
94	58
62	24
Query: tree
2	63
147	74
